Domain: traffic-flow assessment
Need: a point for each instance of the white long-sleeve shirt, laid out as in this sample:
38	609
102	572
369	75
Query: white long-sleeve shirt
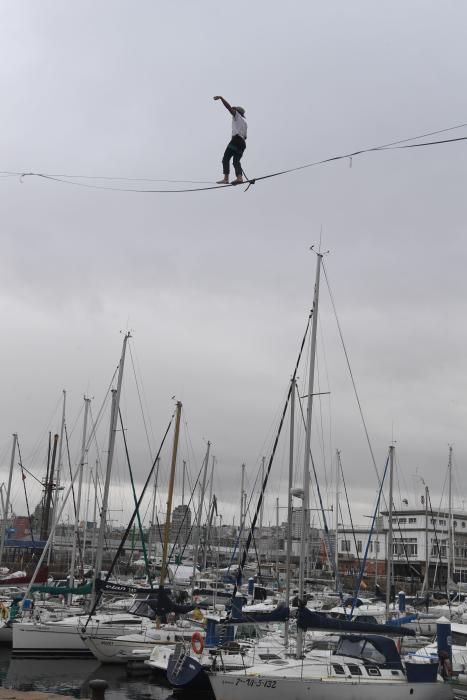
239	125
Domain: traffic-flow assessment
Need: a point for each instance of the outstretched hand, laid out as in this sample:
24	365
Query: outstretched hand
217	97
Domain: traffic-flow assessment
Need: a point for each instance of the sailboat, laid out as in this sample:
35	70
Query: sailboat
62	638
360	667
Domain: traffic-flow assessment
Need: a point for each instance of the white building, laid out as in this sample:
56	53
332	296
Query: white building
412	532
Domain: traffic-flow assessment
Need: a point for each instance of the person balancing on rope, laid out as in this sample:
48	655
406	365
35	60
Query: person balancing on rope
237	144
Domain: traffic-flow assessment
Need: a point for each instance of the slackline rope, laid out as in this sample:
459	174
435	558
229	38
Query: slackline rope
396	145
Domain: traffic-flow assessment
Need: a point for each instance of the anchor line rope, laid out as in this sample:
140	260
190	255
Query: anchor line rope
394	145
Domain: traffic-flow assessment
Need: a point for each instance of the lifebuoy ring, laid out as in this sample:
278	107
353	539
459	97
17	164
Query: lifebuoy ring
197	642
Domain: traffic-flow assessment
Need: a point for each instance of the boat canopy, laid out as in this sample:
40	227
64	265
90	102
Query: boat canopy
279	614
372	648
307	619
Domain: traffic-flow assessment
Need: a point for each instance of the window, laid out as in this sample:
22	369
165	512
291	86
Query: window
438	548
339	670
463	523
402	521
412	520
354	669
405	547
345	545
442	522
359	545
459	639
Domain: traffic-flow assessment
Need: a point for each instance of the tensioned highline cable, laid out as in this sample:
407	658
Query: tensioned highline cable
394	145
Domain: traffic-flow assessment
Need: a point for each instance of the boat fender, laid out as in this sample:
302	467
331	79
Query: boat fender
197	642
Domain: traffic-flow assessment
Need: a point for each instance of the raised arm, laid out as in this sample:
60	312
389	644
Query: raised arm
226	104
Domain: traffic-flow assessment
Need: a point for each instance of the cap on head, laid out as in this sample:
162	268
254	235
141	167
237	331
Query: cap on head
241	110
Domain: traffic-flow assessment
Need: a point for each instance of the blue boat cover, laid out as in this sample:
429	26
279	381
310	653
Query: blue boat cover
402	620
362	647
279	614
307	619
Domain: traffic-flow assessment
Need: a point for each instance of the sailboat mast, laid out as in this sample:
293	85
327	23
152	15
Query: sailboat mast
450	527
86	515
183	483
241	523
336	521
152	528
59	473
208	526
94	512
427	551
200	508
113	430
165	548
306	461
7	498
289	504
78	497
389	538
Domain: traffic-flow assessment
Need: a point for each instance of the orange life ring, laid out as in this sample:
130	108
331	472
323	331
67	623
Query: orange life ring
197	642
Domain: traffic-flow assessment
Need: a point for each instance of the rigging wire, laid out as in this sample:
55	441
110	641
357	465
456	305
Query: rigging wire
138	514
352	378
30	518
339	462
131	521
141	405
394	145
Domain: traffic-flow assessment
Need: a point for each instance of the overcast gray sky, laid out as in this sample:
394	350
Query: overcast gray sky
216	286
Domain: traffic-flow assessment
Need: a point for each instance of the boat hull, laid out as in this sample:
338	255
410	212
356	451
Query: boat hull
233	687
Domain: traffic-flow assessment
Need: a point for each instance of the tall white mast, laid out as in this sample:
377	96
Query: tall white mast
78	497
208	526
7	498
241	523
389	577
94	512
183	483
261	510
105	496
173	465
306	462
427	549
336	520
289	505
450	524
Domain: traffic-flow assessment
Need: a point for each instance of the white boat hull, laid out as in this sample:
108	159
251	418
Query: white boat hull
36	640
235	687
